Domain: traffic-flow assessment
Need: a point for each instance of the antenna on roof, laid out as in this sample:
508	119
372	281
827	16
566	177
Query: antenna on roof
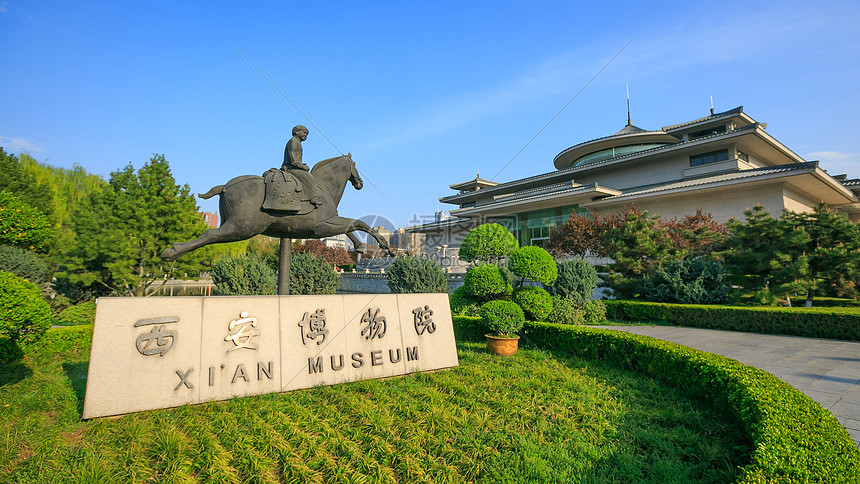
627	84
712	105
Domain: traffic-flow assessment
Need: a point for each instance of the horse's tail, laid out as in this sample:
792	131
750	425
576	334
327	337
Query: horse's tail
217	190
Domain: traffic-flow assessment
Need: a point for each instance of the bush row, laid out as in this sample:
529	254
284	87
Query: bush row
793	438
833	323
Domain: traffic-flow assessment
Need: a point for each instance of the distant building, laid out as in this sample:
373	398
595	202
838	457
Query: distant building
722	163
337	242
210	219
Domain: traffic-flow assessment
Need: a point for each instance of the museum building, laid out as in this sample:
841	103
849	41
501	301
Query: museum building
722	163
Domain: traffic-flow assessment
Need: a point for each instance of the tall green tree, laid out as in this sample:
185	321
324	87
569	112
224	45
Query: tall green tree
121	230
637	245
22	225
30	189
832	249
763	255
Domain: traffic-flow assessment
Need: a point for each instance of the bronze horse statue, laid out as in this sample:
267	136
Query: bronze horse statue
243	217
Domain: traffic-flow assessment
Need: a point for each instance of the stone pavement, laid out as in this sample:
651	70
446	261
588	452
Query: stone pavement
827	371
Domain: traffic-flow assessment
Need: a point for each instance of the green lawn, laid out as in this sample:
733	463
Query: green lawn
533	417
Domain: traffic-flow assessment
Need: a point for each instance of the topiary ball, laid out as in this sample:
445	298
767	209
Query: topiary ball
503	318
485	282
462	303
533	263
487	243
536	302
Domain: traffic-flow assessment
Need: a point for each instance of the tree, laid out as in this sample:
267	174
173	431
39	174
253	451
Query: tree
416	275
332	255
311	275
22	225
832	248
14	178
637	245
487	243
697	235
763	255
576	280
121	230
242	275
580	235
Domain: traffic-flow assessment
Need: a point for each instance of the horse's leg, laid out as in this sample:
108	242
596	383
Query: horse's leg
229	232
360	247
343	225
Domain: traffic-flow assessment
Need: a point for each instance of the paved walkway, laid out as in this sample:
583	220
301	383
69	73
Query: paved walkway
827	371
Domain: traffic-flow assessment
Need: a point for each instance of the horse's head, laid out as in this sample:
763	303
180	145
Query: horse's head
354	177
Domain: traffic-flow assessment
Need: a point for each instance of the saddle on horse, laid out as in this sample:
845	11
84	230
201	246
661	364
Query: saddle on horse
290	191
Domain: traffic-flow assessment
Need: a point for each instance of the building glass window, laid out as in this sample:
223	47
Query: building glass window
533	228
708	158
743	156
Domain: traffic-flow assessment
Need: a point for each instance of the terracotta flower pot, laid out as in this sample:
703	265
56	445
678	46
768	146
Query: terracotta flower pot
498	345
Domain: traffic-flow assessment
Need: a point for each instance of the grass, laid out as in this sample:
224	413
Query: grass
533	417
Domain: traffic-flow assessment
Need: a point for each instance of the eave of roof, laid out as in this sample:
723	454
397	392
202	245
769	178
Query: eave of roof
744	176
474	181
730	113
436	226
577	194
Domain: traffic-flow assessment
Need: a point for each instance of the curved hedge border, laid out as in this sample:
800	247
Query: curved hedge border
832	323
794	438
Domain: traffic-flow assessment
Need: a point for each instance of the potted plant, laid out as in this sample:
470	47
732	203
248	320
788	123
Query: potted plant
504	319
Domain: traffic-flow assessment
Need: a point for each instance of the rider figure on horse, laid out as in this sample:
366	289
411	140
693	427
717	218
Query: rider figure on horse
295	185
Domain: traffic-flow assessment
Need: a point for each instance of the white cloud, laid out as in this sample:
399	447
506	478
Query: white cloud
4	7
17	145
837	163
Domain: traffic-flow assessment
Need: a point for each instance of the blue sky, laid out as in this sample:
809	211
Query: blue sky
423	94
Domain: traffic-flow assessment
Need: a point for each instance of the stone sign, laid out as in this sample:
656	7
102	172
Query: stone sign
159	352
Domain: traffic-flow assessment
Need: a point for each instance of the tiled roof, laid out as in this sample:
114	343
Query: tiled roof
758	172
736	110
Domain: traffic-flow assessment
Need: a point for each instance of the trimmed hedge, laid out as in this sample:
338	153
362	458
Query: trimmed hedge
832	323
793	438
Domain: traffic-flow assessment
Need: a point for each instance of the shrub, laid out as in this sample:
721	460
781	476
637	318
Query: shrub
485	282
24	315
243	275
576	280
594	311
535	302
687	281
84	313
311	275
416	275
24	264
533	263
462	303
565	311
832	323
487	243
503	318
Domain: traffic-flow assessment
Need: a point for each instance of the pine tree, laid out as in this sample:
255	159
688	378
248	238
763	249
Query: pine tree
121	230
832	248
